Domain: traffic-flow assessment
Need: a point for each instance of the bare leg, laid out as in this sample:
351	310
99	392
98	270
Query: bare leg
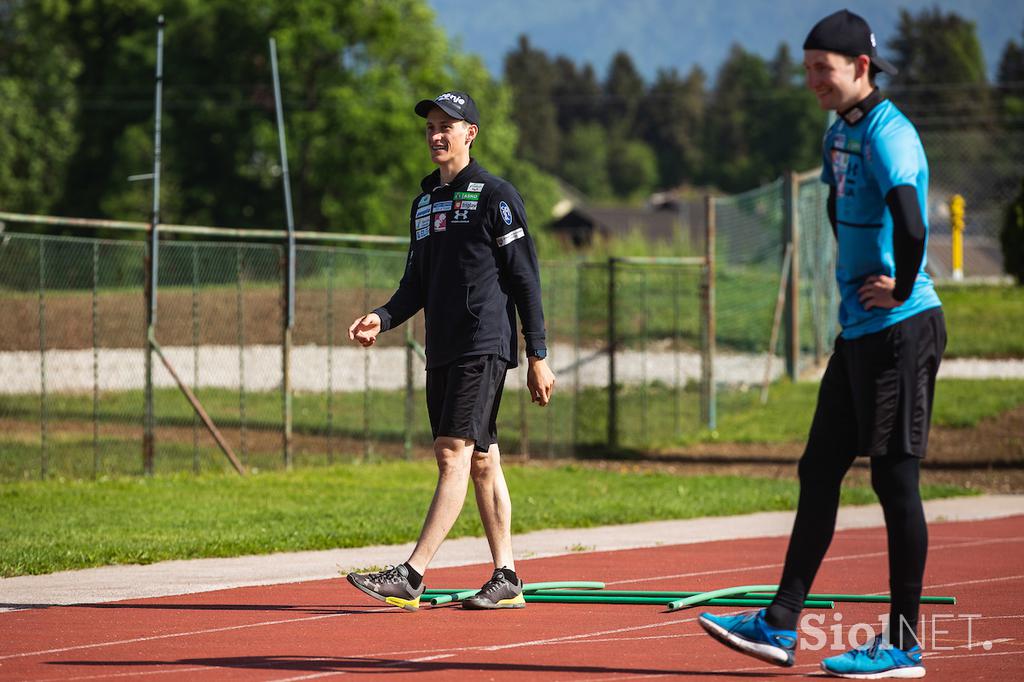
495	505
453	463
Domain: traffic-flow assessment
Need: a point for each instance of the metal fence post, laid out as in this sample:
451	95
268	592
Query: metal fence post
791	235
43	414
613	408
708	392
152	259
289	262
330	356
195	354
95	363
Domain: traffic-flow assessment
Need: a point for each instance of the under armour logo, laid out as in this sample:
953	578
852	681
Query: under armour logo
461	215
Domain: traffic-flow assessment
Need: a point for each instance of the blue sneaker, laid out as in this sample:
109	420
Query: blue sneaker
748	633
876	661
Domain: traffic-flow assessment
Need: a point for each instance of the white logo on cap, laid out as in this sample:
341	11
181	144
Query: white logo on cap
452	97
873	43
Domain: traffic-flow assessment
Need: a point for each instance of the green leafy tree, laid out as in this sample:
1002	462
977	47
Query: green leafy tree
672	122
941	80
1010	80
350	72
1012	237
531	75
37	105
585	160
576	93
632	168
624	89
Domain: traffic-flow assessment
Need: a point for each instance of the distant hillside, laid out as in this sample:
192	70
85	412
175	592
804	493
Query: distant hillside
683	33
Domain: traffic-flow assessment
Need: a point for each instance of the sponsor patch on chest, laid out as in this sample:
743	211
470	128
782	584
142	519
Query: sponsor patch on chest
440	222
475	186
442	206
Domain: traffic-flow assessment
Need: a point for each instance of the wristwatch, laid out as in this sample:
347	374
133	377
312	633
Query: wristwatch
539	353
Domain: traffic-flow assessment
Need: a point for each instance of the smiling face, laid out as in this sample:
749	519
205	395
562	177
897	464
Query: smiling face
448	138
836	80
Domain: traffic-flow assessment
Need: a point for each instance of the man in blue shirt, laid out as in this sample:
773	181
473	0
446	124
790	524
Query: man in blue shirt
876	396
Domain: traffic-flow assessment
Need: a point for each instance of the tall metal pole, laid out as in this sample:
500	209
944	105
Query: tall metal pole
152	255
791	227
709	402
289	286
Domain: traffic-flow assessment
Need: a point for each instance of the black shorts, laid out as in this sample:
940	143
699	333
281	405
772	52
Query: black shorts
877	392
463	398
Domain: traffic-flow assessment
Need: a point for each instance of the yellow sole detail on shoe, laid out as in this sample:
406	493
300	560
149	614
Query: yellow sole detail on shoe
407	604
515	602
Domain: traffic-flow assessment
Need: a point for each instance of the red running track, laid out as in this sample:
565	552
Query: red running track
325	629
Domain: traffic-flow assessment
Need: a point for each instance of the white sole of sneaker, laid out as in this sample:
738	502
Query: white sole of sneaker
763	652
908	673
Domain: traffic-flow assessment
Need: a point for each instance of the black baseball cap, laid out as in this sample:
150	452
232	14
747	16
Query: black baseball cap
847	33
454	103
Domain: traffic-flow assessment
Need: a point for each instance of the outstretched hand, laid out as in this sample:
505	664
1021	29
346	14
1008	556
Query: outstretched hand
365	329
540	380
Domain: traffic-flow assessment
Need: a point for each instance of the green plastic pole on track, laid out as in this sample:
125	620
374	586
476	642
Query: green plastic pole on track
530	587
724	592
443	596
862	598
661	601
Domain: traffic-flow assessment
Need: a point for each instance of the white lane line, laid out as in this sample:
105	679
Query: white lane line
978	582
846	557
191	633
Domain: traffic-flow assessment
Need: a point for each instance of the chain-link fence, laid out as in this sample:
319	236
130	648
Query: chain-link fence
985	168
630	341
73	358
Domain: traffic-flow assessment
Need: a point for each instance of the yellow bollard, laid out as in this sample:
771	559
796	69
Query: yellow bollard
956	220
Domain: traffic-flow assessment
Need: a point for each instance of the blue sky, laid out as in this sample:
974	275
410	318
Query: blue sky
682	33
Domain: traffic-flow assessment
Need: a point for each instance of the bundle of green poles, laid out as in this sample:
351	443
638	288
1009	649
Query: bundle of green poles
590	592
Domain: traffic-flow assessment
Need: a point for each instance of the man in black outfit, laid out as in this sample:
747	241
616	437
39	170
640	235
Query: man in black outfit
876	396
471	264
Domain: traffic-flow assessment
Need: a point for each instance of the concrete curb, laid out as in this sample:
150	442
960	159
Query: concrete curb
167	578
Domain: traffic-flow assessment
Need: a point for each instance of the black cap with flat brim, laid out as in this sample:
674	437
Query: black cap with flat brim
847	33
454	103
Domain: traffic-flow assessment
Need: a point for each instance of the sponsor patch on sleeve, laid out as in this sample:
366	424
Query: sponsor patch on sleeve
506	213
423	232
422	211
475	186
424	200
510	237
422	222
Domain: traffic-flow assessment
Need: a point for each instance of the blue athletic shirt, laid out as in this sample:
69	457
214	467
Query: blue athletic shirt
863	162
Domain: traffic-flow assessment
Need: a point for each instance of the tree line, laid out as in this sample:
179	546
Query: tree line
76	110
619	137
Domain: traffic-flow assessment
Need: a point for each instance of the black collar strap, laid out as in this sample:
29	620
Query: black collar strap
861	109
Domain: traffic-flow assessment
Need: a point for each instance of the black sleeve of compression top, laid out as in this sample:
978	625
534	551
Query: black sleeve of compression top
908	234
831	205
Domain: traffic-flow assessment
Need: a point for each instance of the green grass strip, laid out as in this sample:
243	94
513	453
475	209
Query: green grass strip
54	525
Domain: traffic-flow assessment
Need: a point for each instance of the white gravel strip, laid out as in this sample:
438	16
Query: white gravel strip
353	369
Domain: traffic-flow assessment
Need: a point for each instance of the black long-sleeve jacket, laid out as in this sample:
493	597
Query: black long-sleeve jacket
471	264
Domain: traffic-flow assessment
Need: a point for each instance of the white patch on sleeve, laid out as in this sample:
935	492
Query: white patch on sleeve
506	239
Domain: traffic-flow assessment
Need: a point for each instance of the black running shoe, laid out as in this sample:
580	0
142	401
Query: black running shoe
390	586
497	593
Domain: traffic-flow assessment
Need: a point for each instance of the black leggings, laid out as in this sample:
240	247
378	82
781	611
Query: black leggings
895	479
